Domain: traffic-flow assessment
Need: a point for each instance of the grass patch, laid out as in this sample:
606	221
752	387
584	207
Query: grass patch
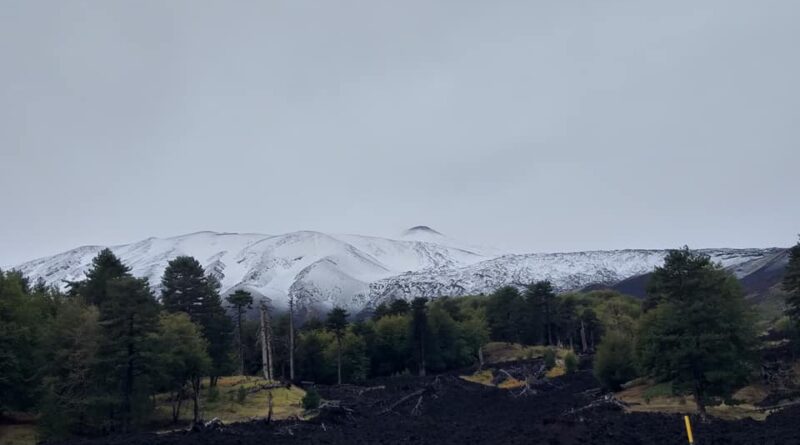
18	434
226	405
500	352
481	377
557	371
511	383
659	398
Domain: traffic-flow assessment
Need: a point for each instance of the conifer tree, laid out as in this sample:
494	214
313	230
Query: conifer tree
240	300
419	331
337	324
504	314
541	297
186	288
700	334
128	320
94	288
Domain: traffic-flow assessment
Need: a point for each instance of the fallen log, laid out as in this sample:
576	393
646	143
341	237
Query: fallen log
605	400
394	405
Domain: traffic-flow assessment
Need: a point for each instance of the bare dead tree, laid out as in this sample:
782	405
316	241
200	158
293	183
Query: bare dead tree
266	342
291	338
269	406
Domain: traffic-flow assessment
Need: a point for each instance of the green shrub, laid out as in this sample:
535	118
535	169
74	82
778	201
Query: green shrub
571	362
241	395
549	358
614	362
311	399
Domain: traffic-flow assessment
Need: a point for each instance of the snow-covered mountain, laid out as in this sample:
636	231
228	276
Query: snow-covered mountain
356	272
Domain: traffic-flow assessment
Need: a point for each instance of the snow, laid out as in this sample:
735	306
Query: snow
355	271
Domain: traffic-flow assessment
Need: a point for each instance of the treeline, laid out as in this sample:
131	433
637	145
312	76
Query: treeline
697	333
91	360
446	333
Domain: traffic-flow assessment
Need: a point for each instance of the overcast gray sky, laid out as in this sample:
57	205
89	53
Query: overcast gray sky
528	125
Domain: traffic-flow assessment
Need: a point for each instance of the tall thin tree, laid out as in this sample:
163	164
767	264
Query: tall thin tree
240	300
337	324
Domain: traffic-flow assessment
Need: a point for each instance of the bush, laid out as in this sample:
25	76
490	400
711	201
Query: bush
311	399
614	362
571	362
549	358
241	395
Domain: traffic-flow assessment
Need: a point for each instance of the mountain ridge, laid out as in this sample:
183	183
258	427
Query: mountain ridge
357	272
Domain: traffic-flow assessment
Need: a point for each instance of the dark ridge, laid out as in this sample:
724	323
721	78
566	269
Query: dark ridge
422	229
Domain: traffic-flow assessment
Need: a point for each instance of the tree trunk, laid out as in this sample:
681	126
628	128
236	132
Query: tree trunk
196	398
339	359
422	355
269	406
266	343
291	339
241	342
480	356
270	361
583	336
176	406
128	384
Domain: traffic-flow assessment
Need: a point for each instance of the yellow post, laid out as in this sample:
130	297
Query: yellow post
688	429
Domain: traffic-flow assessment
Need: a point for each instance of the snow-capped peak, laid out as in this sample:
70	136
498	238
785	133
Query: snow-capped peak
354	271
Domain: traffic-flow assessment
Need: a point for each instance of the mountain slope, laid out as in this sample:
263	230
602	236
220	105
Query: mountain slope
320	269
356	272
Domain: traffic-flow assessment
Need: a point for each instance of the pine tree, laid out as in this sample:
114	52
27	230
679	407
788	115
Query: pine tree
240	300
699	334
541	297
23	318
337	324
67	406
128	320
419	332
504	314
94	288
186	288
791	284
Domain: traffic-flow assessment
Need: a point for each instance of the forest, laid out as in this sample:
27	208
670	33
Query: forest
89	361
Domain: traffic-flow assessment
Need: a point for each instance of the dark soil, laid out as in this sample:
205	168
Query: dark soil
453	411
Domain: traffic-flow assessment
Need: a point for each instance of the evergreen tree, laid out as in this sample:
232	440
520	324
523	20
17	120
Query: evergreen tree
24	318
791	284
337	324
128	320
186	288
700	334
541	297
182	359
505	316
419	332
240	300
310	355
68	406
94	288
392	345
217	328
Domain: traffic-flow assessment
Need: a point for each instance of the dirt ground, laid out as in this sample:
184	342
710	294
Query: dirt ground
449	410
